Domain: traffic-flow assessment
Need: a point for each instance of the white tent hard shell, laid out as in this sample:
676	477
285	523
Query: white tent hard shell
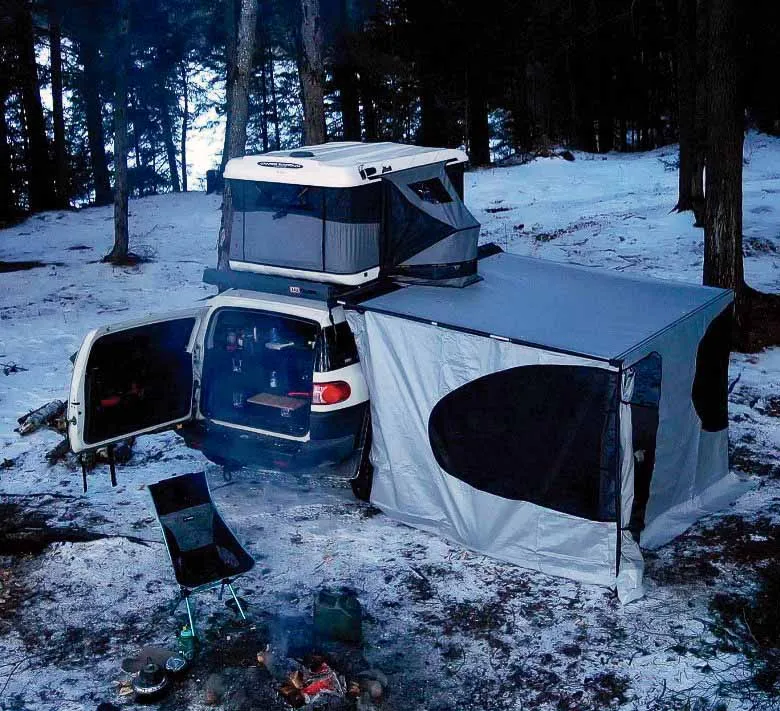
549	415
346	213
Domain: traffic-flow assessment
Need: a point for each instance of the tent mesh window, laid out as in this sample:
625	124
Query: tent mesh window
540	433
644	427
432	191
711	382
307	227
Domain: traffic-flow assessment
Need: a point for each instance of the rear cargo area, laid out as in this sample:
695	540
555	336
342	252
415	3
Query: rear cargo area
257	370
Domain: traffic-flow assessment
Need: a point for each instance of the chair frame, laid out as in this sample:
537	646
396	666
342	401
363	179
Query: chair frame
185	592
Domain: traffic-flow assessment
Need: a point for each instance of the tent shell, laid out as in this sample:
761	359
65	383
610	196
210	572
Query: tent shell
348	213
341	164
402	336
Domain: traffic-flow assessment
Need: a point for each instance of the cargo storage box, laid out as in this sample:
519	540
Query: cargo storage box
347	213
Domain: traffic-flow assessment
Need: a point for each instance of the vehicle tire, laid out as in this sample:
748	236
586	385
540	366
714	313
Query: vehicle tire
361	484
364	476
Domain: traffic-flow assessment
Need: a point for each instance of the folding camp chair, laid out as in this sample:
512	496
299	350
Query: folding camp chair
203	550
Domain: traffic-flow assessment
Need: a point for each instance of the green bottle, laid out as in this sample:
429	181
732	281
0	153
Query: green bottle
187	643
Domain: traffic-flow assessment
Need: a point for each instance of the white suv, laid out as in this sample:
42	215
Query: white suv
253	376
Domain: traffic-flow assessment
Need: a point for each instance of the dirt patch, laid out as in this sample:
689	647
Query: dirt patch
131	259
751	626
689	568
475	620
762	322
25	531
745	459
22	266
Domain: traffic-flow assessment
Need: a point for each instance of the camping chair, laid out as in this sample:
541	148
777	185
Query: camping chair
203	550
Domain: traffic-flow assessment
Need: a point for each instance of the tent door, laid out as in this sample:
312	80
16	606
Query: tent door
133	378
644	430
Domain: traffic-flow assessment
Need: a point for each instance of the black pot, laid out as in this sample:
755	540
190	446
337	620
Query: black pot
150	683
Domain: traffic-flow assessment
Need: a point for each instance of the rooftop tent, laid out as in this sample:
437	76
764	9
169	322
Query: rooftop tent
317	213
428	234
549	415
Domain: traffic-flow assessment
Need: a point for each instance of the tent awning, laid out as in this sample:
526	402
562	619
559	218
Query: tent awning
559	307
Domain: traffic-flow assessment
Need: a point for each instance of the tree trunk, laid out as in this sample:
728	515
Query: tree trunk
345	78
119	253
274	105
606	88
723	204
231	39
370	121
478	129
184	121
170	147
238	101
686	100
312	73
60	150
7	206
700	115
39	173
90	89
264	100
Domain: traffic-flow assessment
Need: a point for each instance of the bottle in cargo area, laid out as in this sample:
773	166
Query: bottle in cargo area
230	341
338	616
273	381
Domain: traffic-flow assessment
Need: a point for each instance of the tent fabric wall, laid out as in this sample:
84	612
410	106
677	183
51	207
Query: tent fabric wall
691	476
420	364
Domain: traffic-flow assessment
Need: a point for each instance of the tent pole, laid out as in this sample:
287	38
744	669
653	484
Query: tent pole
618	481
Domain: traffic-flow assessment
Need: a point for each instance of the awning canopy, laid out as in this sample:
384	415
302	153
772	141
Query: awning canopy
579	310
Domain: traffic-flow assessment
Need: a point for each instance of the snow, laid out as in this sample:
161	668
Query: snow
450	628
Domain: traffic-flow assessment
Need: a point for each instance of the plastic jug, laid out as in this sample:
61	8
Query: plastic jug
338	616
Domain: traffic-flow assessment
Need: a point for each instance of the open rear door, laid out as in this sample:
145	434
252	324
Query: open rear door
132	378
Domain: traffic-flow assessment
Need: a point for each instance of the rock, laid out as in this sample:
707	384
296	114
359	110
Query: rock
374	688
213	690
238	701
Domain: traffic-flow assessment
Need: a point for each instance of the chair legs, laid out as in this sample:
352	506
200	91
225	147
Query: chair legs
185	593
189	613
238	604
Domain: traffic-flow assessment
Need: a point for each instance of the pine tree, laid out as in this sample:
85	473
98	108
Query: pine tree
238	104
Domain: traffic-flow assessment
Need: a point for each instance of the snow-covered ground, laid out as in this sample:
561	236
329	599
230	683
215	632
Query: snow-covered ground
451	629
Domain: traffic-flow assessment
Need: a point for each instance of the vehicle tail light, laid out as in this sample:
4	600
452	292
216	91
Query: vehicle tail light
330	393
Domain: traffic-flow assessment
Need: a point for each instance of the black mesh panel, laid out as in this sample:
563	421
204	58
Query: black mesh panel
534	433
711	383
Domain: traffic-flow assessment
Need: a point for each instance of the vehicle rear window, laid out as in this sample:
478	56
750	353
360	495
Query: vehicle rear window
336	348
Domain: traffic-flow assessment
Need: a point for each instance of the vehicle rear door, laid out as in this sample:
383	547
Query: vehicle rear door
133	378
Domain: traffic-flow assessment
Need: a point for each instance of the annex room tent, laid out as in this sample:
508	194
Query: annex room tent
549	415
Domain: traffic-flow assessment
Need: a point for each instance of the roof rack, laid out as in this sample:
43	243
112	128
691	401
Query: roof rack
271	284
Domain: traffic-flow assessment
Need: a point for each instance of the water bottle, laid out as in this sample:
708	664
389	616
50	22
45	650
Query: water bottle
273	383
